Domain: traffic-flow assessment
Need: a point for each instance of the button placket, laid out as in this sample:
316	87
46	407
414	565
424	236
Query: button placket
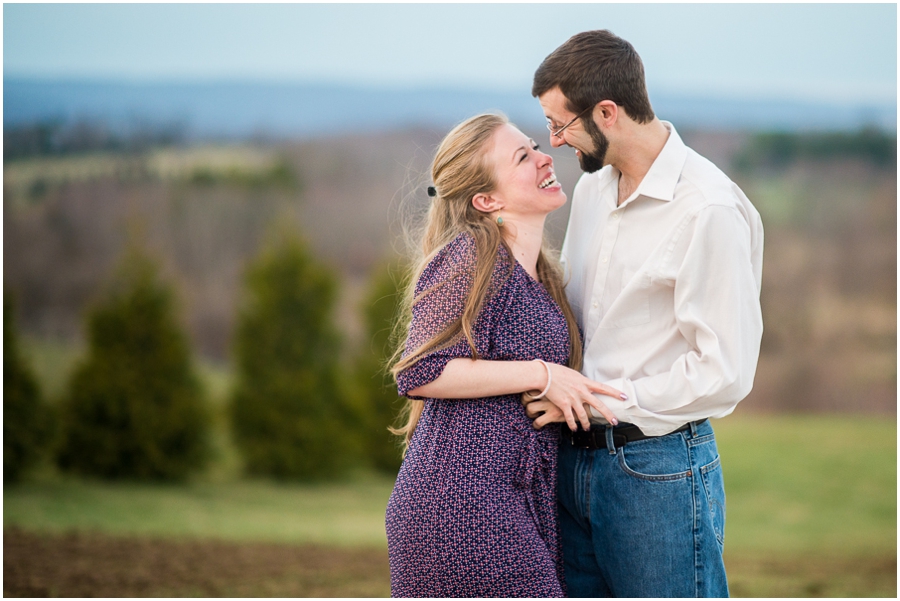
611	232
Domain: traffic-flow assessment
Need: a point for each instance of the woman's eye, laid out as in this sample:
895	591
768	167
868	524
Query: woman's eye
524	156
536	147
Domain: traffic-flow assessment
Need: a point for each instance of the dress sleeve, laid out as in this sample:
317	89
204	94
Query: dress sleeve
441	293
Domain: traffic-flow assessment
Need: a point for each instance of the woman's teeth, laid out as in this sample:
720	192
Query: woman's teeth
551	179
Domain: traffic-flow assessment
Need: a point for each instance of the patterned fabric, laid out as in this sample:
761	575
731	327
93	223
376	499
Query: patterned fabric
473	511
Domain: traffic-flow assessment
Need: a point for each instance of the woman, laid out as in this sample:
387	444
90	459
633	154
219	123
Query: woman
473	511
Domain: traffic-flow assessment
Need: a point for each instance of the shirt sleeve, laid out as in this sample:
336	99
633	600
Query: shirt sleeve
441	292
717	310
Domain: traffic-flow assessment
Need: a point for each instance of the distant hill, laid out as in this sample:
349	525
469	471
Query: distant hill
285	110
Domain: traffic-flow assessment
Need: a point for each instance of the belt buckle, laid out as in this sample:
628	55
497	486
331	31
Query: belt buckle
585	439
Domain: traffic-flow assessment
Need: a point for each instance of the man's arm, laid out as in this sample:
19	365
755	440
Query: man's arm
717	311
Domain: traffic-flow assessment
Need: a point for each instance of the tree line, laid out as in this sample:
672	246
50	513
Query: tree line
134	407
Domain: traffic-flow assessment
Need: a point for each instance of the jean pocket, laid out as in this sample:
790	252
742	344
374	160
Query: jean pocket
659	459
714	486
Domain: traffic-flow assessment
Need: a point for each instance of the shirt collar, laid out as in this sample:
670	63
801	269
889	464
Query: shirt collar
663	175
665	171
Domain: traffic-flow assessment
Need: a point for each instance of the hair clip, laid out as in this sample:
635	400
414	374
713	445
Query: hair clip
432	192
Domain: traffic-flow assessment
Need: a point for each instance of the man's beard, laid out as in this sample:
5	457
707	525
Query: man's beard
594	160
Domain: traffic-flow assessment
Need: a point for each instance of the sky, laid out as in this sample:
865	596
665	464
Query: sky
839	53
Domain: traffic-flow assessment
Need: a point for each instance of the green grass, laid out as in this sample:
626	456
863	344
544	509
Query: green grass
811	500
798	485
347	513
811	507
810	484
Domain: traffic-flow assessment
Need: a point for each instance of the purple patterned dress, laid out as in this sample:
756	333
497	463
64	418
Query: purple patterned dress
473	511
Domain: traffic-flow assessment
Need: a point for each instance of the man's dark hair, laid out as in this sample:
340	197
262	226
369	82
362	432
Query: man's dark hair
593	66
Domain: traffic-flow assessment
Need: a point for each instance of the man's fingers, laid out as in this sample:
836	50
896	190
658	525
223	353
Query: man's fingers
541	422
535	408
526	398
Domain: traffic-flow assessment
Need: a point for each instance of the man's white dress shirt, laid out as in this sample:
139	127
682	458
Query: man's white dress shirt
666	289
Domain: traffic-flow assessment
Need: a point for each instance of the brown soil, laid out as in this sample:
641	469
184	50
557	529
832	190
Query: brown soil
94	565
778	576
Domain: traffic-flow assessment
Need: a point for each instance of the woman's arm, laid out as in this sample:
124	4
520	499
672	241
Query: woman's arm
569	391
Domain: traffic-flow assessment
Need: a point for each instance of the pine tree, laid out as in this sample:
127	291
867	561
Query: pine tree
27	421
291	415
135	408
380	403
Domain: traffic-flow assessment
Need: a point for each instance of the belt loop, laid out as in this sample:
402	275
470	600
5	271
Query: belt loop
610	443
693	429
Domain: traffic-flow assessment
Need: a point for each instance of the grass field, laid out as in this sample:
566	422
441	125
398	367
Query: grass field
811	511
811	505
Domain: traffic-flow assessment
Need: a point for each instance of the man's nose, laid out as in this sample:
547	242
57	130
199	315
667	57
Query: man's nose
556	141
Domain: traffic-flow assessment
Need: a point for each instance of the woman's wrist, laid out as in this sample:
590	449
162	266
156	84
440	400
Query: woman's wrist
548	379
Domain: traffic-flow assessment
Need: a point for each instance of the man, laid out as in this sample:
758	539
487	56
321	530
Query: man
663	256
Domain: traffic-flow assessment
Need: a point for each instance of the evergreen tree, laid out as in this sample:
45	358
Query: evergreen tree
291	415
135	408
27	421
380	403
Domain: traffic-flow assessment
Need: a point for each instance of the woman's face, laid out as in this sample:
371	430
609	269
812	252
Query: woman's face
526	183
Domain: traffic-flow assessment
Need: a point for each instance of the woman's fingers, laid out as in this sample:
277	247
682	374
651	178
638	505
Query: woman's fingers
607	390
570	418
603	410
572	394
582	415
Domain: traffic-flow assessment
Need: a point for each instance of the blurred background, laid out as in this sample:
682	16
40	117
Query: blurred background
202	242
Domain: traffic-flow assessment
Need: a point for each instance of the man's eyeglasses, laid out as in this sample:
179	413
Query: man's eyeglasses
556	133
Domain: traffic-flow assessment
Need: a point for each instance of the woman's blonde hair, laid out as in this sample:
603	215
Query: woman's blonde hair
459	171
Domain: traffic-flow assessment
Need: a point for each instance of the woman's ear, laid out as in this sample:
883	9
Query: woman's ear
486	203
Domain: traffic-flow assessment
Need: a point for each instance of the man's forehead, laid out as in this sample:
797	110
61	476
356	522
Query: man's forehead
553	102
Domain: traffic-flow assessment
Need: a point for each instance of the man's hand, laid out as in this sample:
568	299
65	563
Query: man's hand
544	412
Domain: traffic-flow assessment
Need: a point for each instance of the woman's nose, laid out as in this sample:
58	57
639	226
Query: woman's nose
544	159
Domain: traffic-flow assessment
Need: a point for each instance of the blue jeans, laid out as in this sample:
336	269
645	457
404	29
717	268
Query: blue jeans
646	520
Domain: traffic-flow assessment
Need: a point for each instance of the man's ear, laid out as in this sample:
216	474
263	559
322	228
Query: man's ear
605	113
486	203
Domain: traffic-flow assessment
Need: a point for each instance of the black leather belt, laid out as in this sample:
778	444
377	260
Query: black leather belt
595	438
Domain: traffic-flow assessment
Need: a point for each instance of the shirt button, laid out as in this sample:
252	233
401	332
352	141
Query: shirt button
615	215
596	304
605	259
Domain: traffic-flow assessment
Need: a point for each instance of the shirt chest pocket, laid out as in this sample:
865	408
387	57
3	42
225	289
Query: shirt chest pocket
632	306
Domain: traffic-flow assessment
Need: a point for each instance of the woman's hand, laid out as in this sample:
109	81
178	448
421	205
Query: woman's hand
568	400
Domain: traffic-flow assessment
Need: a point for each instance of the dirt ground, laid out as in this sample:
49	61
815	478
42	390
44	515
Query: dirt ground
812	576
94	565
